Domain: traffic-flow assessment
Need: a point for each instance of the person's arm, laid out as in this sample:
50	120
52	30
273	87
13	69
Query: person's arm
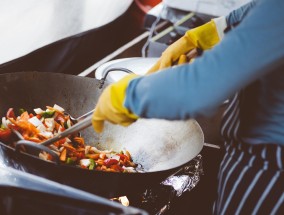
249	51
203	37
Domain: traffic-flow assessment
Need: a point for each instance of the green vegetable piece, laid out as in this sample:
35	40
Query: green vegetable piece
65	125
48	113
2	126
70	161
92	165
21	110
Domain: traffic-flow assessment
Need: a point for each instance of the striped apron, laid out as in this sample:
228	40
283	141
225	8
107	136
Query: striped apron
251	177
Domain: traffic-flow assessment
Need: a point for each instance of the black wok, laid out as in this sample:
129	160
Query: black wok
161	147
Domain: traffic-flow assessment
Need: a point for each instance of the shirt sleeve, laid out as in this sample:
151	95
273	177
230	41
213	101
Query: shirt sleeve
247	52
236	16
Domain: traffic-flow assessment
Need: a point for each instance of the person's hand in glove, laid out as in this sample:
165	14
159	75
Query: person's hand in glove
110	105
203	37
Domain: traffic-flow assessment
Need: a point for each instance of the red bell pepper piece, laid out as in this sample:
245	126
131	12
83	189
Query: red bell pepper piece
110	161
5	134
123	157
116	168
11	113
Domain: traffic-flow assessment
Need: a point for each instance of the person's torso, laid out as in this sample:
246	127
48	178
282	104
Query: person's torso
262	110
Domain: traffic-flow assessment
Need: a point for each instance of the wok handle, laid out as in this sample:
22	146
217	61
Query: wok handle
36	146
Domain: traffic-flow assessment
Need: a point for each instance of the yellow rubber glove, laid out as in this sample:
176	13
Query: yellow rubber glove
182	59
110	105
203	37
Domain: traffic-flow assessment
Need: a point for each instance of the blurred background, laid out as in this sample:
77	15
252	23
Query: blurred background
78	37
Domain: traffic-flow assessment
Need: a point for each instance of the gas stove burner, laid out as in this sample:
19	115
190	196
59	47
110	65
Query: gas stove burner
158	199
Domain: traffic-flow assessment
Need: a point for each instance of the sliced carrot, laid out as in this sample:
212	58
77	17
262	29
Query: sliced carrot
128	154
33	139
24	116
93	156
116	168
63	155
80	140
69	147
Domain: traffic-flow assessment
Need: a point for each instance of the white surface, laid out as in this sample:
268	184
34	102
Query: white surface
156	144
138	65
210	7
30	24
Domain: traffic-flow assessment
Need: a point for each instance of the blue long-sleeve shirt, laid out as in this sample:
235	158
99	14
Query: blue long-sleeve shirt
250	57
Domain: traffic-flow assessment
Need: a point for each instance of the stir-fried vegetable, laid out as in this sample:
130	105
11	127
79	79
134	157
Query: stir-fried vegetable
5	134
45	124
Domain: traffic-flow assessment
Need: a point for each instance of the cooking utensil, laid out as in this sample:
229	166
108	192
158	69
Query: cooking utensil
161	147
42	146
22	141
18	134
82	122
75	120
73	129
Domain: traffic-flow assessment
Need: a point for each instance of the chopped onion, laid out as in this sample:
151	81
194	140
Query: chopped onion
68	123
59	129
50	124
4	122
87	149
94	149
57	107
47	134
124	201
85	162
35	121
128	169
43	156
54	148
41	128
116	157
38	110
